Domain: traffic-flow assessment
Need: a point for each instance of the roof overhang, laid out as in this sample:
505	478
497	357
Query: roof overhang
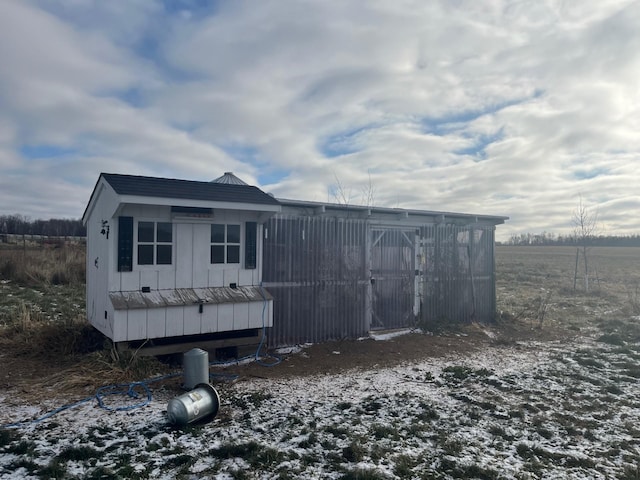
181	202
386	214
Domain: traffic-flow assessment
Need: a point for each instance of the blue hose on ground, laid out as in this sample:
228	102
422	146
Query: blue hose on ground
131	389
123	389
49	414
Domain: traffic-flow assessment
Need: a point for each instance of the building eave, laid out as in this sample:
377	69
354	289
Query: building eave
180	202
402	214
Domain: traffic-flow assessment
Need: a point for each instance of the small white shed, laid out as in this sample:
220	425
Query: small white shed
174	258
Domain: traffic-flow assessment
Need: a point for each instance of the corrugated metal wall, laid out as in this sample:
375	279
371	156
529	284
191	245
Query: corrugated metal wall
393	274
457	273
319	271
315	269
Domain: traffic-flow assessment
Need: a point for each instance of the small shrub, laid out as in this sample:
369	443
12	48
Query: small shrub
633	295
612	339
452	446
239	474
28	465
23	447
250	400
363	474
544	432
483	372
337	431
181	460
379	431
102	473
524	451
252	452
456	372
233	450
8	269
630	473
53	470
7	436
371	405
79	454
428	412
354	452
308	442
404	465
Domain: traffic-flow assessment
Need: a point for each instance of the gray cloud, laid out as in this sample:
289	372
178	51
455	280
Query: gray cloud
511	108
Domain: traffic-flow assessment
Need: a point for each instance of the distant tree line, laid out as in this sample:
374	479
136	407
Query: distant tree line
546	238
55	227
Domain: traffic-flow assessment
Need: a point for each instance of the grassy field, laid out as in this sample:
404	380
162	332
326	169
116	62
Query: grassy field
551	392
529	279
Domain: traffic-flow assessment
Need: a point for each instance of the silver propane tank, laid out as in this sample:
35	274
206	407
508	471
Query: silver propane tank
201	403
195	367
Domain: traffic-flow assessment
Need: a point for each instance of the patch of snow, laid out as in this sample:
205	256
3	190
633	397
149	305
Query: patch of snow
393	334
489	333
289	350
536	410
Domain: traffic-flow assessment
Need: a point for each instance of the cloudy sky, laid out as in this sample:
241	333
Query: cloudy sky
507	107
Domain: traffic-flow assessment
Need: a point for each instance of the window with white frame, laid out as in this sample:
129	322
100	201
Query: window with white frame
155	243
225	243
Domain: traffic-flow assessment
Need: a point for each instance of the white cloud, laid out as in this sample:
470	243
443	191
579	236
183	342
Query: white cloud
504	107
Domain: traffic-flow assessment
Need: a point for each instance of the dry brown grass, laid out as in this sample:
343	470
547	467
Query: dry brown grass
61	265
32	333
42	350
68	355
101	368
526	276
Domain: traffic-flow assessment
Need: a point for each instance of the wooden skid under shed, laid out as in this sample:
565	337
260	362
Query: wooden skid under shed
150	349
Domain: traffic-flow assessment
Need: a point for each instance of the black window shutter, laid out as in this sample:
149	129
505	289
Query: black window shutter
250	244
125	244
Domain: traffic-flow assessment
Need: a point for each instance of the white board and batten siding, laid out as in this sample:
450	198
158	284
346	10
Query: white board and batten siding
139	324
190	269
100	251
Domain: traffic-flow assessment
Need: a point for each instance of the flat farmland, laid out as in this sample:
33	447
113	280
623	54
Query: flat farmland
549	391
610	267
527	277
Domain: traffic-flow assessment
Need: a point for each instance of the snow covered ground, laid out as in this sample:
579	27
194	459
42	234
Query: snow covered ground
524	411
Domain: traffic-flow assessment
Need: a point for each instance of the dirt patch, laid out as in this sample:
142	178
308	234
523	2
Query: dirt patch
340	356
83	374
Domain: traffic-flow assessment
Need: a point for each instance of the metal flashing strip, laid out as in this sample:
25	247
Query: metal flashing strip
137	299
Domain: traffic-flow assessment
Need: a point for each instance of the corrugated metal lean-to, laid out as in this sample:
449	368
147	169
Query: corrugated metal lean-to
336	277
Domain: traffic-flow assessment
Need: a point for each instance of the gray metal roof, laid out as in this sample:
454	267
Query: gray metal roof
382	212
131	300
229	178
187	189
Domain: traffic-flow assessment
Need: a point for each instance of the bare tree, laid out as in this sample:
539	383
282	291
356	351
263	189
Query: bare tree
339	192
344	196
585	228
369	192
